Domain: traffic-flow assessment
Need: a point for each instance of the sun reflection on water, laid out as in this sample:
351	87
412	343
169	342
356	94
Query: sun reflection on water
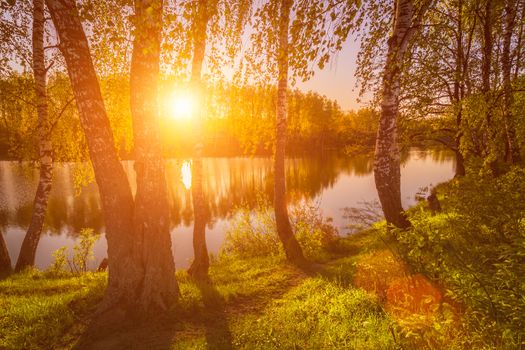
185	174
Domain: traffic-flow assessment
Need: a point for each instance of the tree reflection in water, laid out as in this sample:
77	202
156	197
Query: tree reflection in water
228	183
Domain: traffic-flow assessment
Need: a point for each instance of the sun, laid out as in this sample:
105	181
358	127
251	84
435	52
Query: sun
181	106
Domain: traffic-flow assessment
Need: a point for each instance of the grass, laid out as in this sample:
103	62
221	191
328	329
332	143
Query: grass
453	281
318	314
37	310
257	303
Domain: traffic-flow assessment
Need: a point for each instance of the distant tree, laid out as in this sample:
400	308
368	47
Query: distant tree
443	67
463	79
438	77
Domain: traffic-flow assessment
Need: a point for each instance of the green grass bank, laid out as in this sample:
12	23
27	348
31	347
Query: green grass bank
455	280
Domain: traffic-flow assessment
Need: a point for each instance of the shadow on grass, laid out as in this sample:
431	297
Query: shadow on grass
151	333
215	321
114	330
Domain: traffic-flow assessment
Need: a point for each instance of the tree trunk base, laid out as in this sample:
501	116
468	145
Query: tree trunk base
5	260
199	271
293	251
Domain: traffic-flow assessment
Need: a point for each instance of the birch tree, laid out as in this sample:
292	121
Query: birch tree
141	267
29	245
292	248
5	260
295	37
211	31
407	19
159	287
203	11
24	43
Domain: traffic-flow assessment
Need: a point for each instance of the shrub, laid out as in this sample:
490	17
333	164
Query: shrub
253	233
315	233
82	254
476	247
83	250
59	262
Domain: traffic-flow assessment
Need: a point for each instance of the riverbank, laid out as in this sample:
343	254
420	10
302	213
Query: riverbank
251	303
453	281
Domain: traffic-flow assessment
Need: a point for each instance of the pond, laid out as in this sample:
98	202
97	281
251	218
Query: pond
332	182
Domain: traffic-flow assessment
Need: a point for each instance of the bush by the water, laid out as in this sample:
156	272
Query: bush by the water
82	254
253	232
476	248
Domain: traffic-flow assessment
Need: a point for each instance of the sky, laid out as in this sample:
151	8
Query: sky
337	80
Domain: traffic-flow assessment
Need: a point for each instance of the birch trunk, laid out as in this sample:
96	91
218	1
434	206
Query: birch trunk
459	93
5	261
201	263
292	248
115	193
387	158
506	65
159	287
29	245
138	238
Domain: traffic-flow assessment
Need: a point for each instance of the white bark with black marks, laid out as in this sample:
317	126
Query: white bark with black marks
292	248
141	267
387	158
200	265
29	245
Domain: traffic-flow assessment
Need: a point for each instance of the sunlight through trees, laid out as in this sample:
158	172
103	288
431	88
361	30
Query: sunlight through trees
107	91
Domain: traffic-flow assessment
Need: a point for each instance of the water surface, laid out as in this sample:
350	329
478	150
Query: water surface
333	182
